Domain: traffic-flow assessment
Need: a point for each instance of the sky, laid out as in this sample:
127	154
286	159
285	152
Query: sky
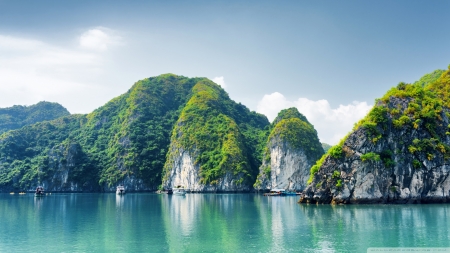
330	59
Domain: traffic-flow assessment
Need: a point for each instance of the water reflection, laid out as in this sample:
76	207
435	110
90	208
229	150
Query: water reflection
358	227
212	222
119	200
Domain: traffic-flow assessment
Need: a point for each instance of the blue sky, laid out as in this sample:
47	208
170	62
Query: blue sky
331	59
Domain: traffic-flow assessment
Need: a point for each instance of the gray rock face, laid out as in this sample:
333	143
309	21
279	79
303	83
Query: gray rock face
62	163
400	175
289	168
185	172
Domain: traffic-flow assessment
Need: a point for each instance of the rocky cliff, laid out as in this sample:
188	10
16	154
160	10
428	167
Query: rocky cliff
291	150
399	153
185	172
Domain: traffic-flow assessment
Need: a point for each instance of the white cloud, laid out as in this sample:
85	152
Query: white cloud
32	70
220	81
99	38
331	124
9	43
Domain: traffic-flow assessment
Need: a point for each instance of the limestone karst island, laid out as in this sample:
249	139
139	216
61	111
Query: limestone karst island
171	130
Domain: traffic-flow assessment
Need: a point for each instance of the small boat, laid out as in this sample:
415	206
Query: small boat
39	192
179	190
276	192
120	190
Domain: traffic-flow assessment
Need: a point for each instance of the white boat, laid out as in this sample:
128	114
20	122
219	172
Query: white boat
179	191
120	190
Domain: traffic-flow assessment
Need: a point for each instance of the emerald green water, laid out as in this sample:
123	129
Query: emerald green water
211	223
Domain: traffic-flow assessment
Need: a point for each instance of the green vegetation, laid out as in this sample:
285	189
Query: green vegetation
406	107
315	168
131	134
416	164
429	78
336	152
336	174
221	135
291	126
290	113
18	116
371	156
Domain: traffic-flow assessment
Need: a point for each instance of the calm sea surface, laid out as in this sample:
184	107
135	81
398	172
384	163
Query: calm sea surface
211	223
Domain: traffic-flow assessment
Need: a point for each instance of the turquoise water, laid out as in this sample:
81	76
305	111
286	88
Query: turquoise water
149	222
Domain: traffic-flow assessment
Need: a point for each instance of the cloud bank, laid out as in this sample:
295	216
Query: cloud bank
331	124
32	70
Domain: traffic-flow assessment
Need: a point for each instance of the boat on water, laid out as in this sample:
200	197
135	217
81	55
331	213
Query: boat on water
120	190
280	192
275	192
179	190
39	192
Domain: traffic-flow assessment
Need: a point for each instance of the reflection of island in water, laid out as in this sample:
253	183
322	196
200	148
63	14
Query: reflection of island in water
212	222
357	227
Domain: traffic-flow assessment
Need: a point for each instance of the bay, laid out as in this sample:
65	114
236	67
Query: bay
148	222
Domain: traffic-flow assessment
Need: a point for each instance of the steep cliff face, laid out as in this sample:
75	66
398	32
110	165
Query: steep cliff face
186	173
399	153
66	170
215	144
292	148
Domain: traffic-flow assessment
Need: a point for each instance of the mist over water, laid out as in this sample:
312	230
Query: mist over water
150	222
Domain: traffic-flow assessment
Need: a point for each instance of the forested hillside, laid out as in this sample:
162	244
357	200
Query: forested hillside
18	116
126	140
223	138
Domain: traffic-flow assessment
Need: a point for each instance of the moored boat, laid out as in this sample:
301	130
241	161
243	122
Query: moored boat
276	192
39	192
179	190
120	190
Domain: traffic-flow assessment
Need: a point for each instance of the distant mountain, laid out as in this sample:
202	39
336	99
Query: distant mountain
18	116
326	147
399	153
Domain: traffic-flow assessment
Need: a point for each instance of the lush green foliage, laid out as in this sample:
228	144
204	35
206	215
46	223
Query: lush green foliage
315	168
222	135
426	100
18	116
429	78
290	113
371	156
336	151
291	126
130	135
336	174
